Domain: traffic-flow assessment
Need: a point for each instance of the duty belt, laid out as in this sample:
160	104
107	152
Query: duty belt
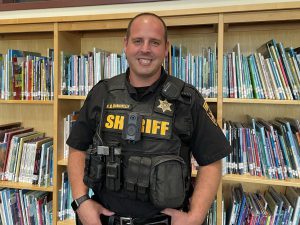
160	219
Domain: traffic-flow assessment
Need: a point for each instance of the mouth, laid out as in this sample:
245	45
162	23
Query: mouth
145	62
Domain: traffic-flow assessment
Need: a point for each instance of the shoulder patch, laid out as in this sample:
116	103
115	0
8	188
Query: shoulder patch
209	113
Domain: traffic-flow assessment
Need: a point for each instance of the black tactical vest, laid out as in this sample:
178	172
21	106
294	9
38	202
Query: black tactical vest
149	164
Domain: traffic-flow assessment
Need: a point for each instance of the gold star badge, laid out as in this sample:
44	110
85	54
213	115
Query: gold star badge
164	105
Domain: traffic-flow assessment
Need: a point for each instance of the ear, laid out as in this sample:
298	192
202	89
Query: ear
125	43
167	48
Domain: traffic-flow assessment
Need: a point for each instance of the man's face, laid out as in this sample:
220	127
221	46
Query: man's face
146	47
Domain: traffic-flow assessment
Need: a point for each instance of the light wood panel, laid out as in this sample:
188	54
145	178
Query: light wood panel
251	26
65	108
238	112
257	35
233	178
62	162
164	13
19	185
94	25
25	28
33	44
40	117
111	41
31	102
279	15
195	39
189	20
67	222
261	101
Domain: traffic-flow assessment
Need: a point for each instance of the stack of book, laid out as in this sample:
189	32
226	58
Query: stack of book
197	70
26	75
272	207
273	72
25	155
25	207
65	198
264	148
69	121
79	73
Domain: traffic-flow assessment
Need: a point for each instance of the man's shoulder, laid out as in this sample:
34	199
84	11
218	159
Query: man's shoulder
188	92
186	86
117	81
103	84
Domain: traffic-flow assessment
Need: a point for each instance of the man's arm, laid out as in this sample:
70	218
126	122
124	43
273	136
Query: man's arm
76	163
207	183
89	211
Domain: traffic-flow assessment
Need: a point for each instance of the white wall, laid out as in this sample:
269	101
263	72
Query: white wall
134	7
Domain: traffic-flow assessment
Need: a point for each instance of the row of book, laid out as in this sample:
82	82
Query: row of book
23	207
69	121
25	155
79	73
26	75
271	207
211	217
273	72
65	198
264	148
198	70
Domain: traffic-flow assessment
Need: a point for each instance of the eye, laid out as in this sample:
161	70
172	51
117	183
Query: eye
137	41
155	43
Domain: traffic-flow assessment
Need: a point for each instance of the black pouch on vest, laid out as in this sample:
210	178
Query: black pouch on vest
94	171
131	176
144	179
168	181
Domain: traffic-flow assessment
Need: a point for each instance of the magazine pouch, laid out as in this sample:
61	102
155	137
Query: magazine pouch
168	181
137	177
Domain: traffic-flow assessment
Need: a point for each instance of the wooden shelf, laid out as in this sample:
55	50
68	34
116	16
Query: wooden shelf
211	99
62	162
195	28
19	185
66	222
76	97
261	101
39	102
71	97
259	180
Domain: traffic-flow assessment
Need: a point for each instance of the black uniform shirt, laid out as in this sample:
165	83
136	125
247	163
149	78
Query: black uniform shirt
207	142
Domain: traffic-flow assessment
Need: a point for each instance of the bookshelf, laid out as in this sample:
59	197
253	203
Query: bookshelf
34	113
251	26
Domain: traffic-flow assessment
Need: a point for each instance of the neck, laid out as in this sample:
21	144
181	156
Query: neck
137	81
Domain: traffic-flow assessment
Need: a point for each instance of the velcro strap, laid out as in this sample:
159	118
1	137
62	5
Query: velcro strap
133	172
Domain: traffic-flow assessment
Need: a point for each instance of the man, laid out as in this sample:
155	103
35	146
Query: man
147	124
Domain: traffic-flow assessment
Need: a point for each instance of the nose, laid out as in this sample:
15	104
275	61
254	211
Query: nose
146	47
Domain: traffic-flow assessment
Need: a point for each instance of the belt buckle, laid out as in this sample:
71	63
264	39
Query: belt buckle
125	221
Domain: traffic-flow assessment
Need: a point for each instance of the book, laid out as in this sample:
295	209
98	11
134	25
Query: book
35	136
9	137
35	163
43	163
294	199
14	153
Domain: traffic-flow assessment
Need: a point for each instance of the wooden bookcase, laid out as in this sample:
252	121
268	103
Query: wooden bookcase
251	26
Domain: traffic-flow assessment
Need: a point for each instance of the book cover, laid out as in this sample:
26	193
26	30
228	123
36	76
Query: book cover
294	199
9	137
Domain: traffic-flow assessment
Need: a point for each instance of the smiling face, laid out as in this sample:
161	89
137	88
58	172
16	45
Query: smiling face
145	49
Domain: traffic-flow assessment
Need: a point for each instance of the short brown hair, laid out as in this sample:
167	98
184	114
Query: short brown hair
147	14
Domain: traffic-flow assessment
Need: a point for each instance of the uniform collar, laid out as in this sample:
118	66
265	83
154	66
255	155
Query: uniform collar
151	89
